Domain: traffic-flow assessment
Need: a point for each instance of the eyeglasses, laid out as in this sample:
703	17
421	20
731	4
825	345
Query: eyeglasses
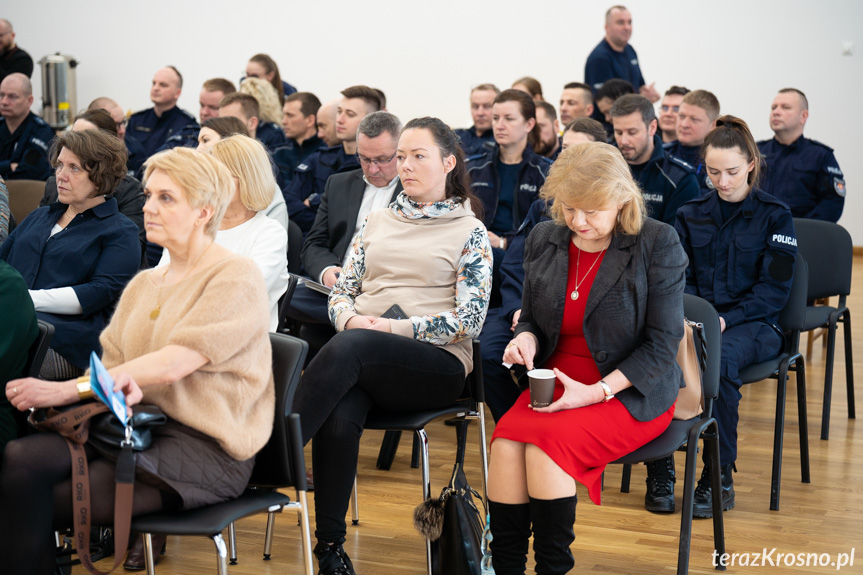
122	123
376	161
674	109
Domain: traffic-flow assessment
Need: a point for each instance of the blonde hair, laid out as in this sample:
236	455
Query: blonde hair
267	97
247	159
593	175
203	180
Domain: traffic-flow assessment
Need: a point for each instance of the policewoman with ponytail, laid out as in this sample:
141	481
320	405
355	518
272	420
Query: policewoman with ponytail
741	247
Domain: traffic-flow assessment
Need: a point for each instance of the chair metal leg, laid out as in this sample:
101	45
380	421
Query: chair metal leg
222	552
306	532
149	561
712	446
778	436
232	540
685	538
849	365
424	444
415	453
625	477
389	446
355	505
828	376
483	450
268	534
802	418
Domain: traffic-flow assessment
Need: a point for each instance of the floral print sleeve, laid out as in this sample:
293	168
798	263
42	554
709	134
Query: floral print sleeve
473	289
350	282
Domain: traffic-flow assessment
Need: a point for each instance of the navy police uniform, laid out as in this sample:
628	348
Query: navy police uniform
270	135
692	156
743	264
804	175
605	63
309	180
471	142
187	137
27	147
153	131
290	154
666	182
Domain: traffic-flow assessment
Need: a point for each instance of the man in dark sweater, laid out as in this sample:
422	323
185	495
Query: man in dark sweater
12	58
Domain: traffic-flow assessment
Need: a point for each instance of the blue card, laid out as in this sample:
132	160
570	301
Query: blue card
102	385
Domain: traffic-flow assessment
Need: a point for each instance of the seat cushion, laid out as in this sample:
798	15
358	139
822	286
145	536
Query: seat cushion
817	316
667	443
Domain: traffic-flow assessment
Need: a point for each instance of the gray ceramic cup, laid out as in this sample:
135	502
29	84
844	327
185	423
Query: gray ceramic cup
541	387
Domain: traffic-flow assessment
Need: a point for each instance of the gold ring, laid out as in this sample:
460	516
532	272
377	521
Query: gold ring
15	390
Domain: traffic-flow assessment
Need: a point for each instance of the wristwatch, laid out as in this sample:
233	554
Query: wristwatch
606	390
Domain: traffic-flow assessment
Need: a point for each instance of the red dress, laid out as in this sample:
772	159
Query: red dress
581	441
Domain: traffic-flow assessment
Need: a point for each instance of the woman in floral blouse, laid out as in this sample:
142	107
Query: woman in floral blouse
429	255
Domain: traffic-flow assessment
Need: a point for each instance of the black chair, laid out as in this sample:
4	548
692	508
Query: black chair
286	324
470	407
791	320
38	349
686	433
295	248
829	252
278	465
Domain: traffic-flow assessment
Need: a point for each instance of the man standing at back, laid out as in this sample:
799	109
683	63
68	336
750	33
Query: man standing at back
614	57
152	127
24	136
801	172
665	181
12	58
303	193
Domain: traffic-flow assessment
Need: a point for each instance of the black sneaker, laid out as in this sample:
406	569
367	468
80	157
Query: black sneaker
660	485
702	505
332	560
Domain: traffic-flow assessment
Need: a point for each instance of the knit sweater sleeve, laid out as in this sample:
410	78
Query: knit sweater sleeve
473	289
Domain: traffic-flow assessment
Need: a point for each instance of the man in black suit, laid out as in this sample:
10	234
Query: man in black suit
347	199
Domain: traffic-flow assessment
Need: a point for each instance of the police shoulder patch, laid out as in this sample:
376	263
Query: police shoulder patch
839	187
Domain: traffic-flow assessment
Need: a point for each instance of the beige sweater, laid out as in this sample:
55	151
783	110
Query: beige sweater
222	313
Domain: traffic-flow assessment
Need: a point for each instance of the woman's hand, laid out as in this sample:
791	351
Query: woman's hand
381	324
521	350
124	383
493	239
360	322
31	392
575	394
721	324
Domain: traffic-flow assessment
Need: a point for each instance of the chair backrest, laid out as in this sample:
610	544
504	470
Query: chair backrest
24	197
700	310
792	316
829	252
38	349
274	464
295	247
285	302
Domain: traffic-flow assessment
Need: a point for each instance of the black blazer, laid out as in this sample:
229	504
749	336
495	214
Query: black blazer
634	315
335	222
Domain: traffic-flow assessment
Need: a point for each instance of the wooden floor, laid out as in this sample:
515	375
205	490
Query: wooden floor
823	517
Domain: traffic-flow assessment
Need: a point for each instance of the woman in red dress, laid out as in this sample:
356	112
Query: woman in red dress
603	307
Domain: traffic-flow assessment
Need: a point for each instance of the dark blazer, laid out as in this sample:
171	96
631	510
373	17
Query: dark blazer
634	316
335	222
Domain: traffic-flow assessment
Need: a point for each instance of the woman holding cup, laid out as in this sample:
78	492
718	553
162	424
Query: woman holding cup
603	308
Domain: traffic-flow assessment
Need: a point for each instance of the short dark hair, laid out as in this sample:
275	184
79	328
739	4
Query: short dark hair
249	104
99	118
629	103
588	92
486	87
614	89
677	91
177	72
549	109
804	101
226	126
219	85
102	155
369	95
376	123
309	103
587	126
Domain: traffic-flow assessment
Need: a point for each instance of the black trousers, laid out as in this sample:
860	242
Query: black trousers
357	370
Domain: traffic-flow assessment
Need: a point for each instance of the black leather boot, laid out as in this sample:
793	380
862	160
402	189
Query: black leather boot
659	497
332	560
510	530
552	534
702	506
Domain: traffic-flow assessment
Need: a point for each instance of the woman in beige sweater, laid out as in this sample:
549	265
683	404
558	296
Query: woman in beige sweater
173	342
430	255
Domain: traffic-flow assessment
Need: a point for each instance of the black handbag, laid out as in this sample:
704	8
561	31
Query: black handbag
452	521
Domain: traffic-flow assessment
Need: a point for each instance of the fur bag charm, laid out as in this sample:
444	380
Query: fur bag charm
428	516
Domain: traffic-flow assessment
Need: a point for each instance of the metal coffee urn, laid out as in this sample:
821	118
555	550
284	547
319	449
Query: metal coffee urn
58	90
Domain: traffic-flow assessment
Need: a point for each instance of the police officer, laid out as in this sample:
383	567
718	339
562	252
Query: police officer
666	182
801	172
24	136
741	247
480	134
299	122
246	108
696	117
303	192
152	127
212	92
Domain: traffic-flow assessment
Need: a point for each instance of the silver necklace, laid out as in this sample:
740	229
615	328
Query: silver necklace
574	294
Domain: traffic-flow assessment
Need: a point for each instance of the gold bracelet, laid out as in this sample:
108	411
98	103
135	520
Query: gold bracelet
84	389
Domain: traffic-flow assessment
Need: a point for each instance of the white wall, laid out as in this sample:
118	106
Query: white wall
427	55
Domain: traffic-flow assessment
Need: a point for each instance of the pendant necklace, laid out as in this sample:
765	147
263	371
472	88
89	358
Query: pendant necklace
574	294
158	309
